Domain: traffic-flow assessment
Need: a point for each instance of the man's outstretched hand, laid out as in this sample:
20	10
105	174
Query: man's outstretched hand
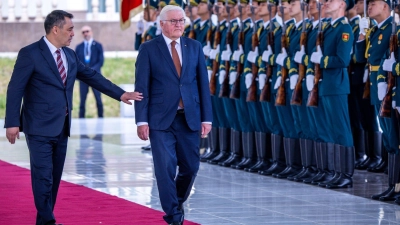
136	96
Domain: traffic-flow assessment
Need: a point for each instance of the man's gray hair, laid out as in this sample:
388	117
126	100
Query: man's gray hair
168	8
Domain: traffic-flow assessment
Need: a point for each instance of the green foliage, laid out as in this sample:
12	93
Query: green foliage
118	70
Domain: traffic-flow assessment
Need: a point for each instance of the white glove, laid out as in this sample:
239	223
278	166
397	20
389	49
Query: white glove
232	77
214	53
382	90
248	79
363	24
310	82
266	54
207	49
140	27
388	63
281	57
261	80
226	55
221	76
398	109
316	56
299	55
237	54
293	81
209	75
252	56
278	82
365	77
394	104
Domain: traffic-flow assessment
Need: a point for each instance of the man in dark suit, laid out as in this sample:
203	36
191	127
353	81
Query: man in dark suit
90	52
43	77
176	108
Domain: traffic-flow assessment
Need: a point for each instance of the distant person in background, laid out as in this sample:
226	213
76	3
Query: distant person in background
90	52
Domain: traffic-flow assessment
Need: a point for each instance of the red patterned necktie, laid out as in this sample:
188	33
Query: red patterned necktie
177	63
60	66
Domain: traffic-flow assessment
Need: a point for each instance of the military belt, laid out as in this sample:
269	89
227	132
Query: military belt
373	68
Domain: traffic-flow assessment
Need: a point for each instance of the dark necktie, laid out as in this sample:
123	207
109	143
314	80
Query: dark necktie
60	66
87	49
177	63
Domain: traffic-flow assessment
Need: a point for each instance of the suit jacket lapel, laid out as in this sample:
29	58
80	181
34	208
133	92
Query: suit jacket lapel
50	60
184	56
71	63
165	52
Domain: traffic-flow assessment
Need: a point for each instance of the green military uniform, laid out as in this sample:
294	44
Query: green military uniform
151	31
333	91
373	49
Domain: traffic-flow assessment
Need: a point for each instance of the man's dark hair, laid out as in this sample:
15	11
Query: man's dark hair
56	18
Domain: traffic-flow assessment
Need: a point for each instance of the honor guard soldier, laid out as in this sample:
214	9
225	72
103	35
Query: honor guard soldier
236	68
388	114
150	13
191	11
291	129
229	40
332	91
371	48
317	12
269	58
265	139
211	51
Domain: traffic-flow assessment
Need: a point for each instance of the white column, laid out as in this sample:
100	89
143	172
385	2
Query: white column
11	15
24	10
109	8
95	9
54	4
39	16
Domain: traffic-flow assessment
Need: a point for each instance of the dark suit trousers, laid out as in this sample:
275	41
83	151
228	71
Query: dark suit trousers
47	156
176	146
83	90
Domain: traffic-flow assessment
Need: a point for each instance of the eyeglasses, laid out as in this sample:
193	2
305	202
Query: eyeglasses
175	22
85	31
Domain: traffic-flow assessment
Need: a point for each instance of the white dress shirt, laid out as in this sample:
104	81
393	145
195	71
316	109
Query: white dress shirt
53	50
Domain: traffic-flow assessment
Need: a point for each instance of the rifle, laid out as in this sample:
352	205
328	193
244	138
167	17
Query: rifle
281	94
386	106
209	31
252	92
367	86
298	90
235	91
313	95
266	91
224	91
192	34
215	66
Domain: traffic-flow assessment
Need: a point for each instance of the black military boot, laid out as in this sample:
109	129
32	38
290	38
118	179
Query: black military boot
293	161
327	153
244	152
382	165
336	166
346	165
302	157
278	156
374	146
394	178
249	147
359	145
213	143
318	162
224	141
236	149
263	146
309	162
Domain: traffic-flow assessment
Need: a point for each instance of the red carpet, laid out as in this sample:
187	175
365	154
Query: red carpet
75	204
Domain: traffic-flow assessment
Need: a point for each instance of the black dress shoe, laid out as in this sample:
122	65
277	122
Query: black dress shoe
389	190
146	148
